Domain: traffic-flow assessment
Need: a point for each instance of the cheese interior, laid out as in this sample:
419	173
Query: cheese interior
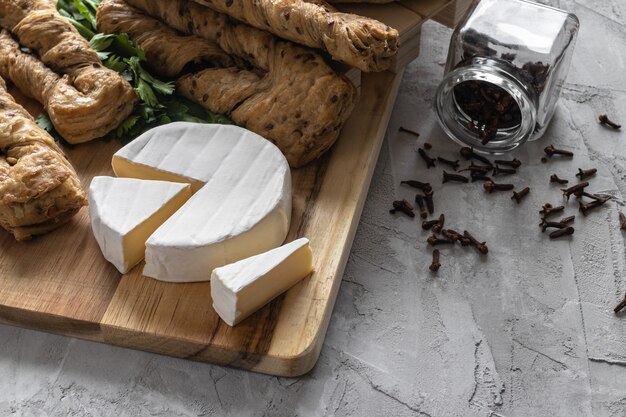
241	288
125	212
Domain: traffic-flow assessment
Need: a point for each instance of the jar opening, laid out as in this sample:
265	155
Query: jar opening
486	108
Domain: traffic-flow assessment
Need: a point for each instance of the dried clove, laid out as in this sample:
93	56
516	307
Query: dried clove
548	209
518	196
440	223
435	265
515	163
620	306
477	169
491	186
447	177
569	230
419	200
454	235
428	224
567	220
480	246
497	170
555	178
597	197
452	164
585	208
428	199
433	240
430	162
468	153
402	206
622	221
604	120
409	131
578	188
479	177
586	173
424	186
550	150
545	224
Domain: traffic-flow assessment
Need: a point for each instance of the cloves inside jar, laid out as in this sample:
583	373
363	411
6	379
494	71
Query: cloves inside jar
502	84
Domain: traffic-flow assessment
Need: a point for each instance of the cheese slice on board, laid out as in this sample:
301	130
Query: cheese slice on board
125	212
241	288
242	206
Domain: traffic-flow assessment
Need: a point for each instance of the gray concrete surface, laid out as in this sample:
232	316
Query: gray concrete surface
526	331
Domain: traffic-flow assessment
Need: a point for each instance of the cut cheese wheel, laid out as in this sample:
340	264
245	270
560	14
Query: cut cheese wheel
241	288
125	212
242	206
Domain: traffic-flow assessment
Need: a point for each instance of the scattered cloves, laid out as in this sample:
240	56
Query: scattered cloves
491	186
515	163
447	177
435	265
419	200
430	162
409	131
480	246
428	224
452	164
428	199
555	178
545	224
578	188
550	150
604	120
468	153
477	169
569	230
620	306
518	196
585	208
622	221
497	170
440	223
548	210
402	206
586	173
567	220
424	186
479	177
433	240
456	236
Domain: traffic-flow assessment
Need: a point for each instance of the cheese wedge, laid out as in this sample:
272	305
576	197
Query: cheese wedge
242	204
125	212
241	288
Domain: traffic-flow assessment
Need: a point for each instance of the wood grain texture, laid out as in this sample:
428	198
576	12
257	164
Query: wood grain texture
60	282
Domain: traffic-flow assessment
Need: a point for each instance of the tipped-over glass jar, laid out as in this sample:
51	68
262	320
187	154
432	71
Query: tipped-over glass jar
506	66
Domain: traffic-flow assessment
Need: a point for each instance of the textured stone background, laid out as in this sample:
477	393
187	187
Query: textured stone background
528	331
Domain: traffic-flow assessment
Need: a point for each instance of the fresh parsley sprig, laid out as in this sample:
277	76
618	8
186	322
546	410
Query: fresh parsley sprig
158	104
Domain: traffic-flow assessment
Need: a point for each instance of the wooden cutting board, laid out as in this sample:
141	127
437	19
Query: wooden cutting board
60	282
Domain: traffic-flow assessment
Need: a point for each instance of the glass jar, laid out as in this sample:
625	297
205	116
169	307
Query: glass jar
506	66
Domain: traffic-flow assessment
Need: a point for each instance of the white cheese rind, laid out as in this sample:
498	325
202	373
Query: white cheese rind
241	288
242	207
125	211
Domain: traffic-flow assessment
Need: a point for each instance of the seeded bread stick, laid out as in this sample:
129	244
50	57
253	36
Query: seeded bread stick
284	92
37	25
39	190
358	41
